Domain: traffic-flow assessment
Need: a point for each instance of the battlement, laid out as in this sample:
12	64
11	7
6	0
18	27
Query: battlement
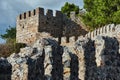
39	11
67	42
39	20
106	30
34	12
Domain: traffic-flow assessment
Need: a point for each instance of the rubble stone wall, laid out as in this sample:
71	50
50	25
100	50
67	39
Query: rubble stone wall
27	26
5	69
97	59
32	23
110	30
93	57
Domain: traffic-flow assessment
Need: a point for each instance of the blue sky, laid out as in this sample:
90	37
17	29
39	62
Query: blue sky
9	9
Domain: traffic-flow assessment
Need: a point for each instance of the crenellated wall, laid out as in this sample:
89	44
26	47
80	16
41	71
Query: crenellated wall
110	30
51	24
27	26
31	24
97	59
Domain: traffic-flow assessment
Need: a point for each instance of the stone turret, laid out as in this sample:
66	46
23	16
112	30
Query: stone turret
31	24
27	25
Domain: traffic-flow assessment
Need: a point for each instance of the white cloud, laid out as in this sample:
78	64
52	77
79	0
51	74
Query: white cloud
9	9
53	4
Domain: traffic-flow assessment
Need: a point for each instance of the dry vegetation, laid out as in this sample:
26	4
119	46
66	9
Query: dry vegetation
7	49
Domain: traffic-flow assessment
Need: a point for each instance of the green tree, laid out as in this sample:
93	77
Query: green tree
11	46
10	33
101	12
67	8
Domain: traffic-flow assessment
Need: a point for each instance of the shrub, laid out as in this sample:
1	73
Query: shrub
18	46
7	49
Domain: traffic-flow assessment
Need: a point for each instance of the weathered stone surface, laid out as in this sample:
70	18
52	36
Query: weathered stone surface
5	69
85	51
66	60
70	64
100	45
31	24
107	58
110	30
88	59
41	61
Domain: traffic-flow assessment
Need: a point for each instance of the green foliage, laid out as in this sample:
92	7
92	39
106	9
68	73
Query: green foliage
101	12
10	46
116	18
10	33
5	50
67	8
18	46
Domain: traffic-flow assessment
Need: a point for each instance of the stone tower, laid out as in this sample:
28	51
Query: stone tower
31	23
27	26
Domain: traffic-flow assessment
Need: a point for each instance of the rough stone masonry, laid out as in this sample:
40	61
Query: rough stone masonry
89	58
47	60
31	24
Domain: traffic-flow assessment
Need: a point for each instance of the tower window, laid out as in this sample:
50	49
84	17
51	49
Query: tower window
20	16
29	13
34	12
24	15
23	27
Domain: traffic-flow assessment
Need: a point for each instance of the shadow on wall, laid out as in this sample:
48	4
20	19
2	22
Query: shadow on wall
90	64
57	71
74	67
36	67
5	70
60	26
50	66
98	60
110	60
102	60
47	66
70	65
71	28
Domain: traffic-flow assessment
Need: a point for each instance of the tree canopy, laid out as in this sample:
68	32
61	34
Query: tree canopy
10	46
10	33
101	12
67	8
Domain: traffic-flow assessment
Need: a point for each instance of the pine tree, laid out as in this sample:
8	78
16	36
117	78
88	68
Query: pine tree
67	8
101	12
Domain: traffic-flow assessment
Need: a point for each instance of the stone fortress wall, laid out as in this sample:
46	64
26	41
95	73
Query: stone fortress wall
31	24
110	30
97	59
93	57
